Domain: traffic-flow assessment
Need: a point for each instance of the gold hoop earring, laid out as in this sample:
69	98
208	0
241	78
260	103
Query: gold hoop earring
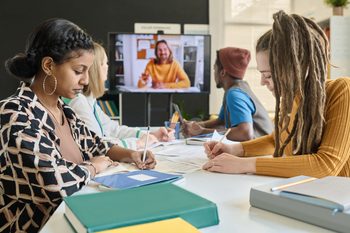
55	84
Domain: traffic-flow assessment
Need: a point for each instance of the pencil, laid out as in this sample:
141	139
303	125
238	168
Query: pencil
291	184
144	152
174	119
222	138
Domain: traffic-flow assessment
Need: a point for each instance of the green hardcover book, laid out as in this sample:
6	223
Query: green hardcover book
114	108
120	208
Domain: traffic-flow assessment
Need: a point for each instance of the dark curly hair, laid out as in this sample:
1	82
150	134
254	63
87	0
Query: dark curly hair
59	39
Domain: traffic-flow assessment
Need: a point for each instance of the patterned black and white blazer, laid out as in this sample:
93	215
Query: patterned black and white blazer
33	174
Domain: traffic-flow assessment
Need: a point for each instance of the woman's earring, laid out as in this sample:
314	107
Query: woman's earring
45	81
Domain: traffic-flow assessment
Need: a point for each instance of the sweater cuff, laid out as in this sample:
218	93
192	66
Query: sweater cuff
138	133
87	175
124	143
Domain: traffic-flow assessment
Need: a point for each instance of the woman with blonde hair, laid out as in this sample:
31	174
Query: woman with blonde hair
312	117
86	107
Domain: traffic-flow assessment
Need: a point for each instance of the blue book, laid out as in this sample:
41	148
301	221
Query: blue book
313	200
135	179
106	108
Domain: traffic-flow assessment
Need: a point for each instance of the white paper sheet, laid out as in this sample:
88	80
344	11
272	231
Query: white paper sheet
113	170
165	143
180	150
181	168
217	137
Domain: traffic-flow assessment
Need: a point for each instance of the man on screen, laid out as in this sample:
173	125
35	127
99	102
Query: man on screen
241	110
164	70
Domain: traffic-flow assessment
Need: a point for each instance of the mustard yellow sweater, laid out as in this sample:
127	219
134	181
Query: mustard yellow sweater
167	74
332	157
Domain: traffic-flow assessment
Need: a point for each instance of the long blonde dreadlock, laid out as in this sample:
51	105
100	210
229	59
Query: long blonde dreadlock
298	60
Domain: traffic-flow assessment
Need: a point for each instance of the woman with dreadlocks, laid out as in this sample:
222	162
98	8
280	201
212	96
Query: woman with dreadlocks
312	118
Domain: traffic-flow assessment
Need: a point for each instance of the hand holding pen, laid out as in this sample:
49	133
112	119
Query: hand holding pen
163	134
214	148
220	140
150	162
137	156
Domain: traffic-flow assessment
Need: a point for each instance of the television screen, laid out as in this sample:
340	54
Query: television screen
182	63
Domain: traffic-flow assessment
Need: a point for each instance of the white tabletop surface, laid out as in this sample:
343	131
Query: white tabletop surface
231	195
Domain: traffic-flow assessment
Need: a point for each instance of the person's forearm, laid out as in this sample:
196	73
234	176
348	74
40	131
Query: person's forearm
213	124
117	153
249	165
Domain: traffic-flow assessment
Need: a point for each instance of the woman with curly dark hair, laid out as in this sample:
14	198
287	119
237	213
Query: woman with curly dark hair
47	152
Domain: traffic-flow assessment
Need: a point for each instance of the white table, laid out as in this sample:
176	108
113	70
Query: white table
231	195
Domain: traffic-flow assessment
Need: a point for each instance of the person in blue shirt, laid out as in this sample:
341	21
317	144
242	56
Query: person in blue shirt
241	109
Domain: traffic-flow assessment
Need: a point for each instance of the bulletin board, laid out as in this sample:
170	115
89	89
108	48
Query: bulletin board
145	46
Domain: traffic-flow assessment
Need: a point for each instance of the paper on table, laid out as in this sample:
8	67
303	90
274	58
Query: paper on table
191	160
217	137
180	150
181	167
160	167
112	170
165	143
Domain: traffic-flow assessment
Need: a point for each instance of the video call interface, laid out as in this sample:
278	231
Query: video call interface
129	55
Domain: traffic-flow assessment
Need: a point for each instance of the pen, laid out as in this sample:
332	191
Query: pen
144	152
166	127
221	139
291	184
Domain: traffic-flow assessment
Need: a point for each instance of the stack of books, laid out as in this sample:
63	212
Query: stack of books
120	208
108	107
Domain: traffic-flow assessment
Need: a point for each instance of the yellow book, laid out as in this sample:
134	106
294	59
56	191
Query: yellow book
173	225
109	108
102	107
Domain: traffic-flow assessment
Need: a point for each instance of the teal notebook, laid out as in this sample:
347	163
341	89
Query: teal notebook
120	208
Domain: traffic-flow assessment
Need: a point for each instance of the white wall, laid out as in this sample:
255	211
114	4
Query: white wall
223	34
239	23
217	41
315	9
